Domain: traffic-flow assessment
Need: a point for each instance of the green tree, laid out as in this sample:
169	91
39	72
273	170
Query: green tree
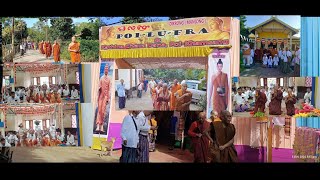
133	20
38	31
62	28
20	30
86	34
243	28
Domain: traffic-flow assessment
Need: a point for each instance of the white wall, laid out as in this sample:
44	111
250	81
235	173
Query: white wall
87	123
87	82
71	75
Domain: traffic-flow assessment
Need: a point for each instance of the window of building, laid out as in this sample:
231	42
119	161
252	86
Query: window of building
53	80
77	78
35	82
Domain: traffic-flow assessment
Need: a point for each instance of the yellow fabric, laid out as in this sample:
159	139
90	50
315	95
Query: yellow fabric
154	123
96	143
159	53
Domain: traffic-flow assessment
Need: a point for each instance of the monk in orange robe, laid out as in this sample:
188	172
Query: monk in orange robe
163	99
174	89
74	49
157	91
45	48
103	98
219	89
56	51
32	95
55	96
45	95
41	47
153	96
183	98
48	49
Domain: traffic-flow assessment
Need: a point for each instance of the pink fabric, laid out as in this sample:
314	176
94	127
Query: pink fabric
251	133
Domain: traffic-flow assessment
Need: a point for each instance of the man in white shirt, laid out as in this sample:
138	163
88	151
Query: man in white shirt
70	139
65	92
240	102
13	139
130	138
13	99
60	137
4	143
140	88
52	131
74	93
307	96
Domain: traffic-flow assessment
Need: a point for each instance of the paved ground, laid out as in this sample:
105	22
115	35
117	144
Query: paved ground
34	56
145	103
258	71
85	154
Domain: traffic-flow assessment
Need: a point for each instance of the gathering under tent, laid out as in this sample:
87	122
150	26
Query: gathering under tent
22	76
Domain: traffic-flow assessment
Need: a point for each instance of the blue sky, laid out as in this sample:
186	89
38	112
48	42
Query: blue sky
31	21
293	21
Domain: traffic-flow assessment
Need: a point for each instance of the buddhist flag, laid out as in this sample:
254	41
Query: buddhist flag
274	41
258	39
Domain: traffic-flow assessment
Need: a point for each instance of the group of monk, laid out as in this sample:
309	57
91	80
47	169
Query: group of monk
177	97
213	138
47	49
44	96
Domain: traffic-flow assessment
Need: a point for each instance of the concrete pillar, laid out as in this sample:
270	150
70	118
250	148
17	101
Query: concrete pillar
255	39
290	41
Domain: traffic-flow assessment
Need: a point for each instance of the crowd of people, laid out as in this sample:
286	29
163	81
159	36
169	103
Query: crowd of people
164	97
270	57
37	137
48	50
257	98
40	94
213	138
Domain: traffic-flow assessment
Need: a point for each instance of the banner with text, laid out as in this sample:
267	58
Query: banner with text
199	32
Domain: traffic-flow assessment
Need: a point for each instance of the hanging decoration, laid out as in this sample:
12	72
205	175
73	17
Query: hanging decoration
308	82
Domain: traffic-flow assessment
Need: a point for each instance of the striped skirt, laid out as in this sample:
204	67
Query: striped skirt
129	155
143	149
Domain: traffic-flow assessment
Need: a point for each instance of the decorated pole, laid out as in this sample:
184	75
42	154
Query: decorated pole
13	77
269	141
3	129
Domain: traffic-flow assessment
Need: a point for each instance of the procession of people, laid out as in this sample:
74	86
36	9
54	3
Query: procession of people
164	96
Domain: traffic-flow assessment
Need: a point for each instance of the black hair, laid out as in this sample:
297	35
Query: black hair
219	62
2	139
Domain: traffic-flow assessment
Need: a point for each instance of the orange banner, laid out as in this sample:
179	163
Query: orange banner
199	32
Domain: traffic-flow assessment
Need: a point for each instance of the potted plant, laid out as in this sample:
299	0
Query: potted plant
260	116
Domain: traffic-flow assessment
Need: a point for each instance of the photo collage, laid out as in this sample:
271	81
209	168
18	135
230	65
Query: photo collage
162	90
